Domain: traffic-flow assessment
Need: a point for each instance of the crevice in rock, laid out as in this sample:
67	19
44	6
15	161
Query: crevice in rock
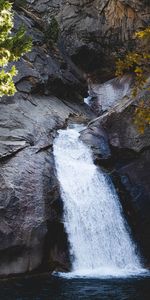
8	156
56	249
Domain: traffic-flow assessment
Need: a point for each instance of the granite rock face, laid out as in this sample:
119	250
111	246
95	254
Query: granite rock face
51	83
30	205
128	164
132	179
102	97
92	30
46	70
31	231
96	138
131	165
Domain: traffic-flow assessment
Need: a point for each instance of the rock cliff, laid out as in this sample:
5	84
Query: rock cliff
91	32
72	40
31	230
124	153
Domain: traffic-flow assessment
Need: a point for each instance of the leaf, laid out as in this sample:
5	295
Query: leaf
12	47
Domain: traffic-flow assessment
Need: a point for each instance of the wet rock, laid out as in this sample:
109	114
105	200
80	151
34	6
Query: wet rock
106	95
31	231
132	181
97	140
29	189
129	166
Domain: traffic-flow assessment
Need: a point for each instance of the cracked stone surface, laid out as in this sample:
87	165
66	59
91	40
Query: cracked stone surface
51	85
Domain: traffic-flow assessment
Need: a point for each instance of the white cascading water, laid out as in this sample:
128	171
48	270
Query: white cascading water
100	244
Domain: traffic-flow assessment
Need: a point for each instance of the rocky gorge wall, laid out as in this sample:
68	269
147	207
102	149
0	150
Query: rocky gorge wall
91	32
29	195
31	230
51	83
124	153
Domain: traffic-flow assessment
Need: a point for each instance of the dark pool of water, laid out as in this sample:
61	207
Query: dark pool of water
55	288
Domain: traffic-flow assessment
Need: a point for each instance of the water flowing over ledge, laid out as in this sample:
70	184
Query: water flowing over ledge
100	244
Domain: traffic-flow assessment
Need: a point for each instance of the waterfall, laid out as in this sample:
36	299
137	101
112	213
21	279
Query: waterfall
100	243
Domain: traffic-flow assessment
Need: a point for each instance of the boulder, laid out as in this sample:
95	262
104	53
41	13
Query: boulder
104	96
96	138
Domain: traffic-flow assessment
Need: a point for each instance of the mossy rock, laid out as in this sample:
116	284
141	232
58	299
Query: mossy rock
52	31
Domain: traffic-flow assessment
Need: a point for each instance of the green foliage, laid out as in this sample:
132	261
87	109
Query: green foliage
12	47
52	31
142	117
138	63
